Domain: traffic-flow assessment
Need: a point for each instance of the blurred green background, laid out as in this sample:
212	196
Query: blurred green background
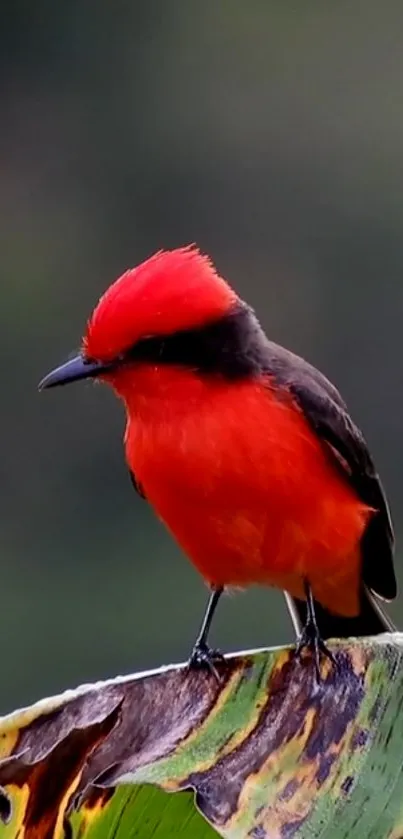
270	133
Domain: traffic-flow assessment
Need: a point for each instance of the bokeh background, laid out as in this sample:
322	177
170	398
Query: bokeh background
270	133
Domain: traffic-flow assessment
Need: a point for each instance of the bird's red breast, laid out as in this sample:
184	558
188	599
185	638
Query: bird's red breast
248	490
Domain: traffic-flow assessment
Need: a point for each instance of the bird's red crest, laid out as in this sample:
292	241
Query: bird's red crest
170	291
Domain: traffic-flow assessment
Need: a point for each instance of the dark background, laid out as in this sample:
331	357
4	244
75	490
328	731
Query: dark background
270	133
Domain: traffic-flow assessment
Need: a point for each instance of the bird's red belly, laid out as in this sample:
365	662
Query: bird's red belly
252	496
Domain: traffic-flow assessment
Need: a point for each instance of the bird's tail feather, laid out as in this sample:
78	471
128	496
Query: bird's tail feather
372	620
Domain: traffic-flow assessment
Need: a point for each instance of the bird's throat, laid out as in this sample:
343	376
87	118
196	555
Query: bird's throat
154	393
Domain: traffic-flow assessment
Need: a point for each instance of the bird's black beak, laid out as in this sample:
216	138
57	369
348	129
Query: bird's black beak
73	370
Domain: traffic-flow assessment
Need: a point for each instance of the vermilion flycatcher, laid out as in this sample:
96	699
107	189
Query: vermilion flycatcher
245	451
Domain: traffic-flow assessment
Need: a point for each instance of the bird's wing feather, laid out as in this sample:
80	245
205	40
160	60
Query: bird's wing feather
137	486
327	413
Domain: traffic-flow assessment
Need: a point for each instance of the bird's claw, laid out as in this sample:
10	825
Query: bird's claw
311	639
203	657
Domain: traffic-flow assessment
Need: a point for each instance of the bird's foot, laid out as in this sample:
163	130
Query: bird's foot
310	638
203	657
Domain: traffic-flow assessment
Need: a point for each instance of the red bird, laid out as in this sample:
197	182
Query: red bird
245	451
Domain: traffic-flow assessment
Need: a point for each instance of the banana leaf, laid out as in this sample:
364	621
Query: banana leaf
266	753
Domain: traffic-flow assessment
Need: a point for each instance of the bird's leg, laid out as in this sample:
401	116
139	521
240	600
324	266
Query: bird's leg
202	655
310	635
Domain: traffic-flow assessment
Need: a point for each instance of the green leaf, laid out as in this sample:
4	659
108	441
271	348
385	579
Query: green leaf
269	753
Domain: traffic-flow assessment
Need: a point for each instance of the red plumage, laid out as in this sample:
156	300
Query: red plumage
245	451
170	291
245	486
233	469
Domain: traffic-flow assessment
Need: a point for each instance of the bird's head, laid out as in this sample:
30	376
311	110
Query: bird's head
171	294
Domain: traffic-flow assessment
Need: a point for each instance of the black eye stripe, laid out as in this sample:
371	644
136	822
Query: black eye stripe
233	346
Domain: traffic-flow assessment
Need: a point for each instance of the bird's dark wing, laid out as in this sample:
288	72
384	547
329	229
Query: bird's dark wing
326	412
137	486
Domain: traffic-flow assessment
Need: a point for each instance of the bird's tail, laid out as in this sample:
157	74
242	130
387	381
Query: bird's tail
372	620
